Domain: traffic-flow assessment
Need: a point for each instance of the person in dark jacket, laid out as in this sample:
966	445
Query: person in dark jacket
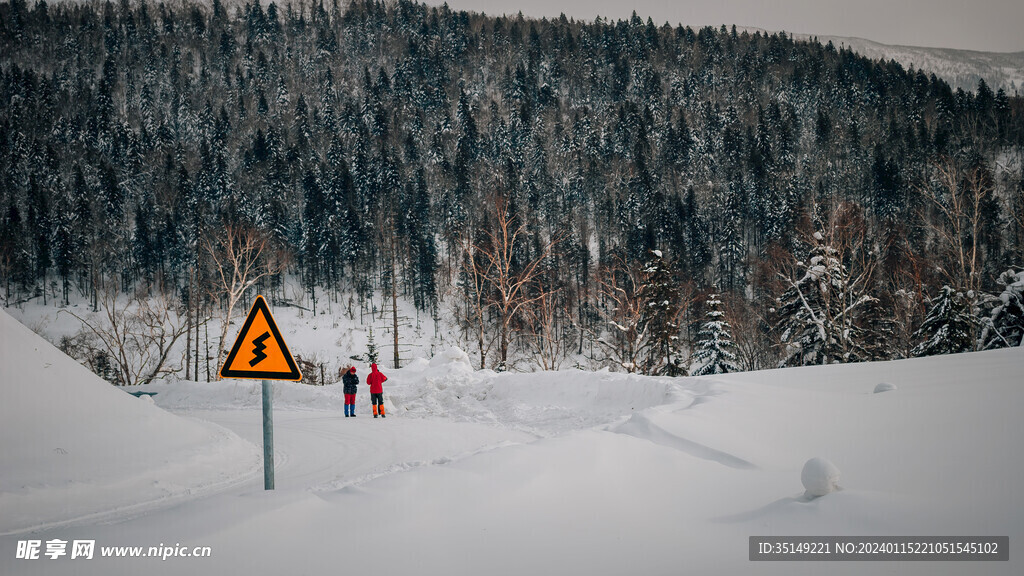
376	381
351	382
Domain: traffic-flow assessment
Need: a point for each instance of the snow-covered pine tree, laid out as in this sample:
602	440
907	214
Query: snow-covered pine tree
1005	327
662	307
715	348
825	316
948	327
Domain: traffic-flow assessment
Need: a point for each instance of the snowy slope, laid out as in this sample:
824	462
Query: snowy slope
959	68
74	446
576	472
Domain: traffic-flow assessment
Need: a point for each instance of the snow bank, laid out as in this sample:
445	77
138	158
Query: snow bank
75	446
447	386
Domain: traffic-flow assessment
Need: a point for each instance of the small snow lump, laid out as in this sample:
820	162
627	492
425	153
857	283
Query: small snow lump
820	477
884	387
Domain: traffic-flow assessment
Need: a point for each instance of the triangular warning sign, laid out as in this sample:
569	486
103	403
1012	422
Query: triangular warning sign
259	351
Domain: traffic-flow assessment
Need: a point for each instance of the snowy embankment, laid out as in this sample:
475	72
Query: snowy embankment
74	447
447	387
575	472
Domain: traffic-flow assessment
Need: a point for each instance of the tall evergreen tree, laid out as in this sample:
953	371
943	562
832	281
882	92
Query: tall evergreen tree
825	316
662	309
715	349
948	327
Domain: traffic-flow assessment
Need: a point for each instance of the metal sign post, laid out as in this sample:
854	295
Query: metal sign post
268	436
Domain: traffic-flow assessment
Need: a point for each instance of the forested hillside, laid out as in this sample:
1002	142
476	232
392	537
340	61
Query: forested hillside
605	193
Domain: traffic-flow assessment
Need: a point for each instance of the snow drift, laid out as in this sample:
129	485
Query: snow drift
72	445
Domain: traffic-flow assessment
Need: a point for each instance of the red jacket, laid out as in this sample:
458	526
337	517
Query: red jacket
376	380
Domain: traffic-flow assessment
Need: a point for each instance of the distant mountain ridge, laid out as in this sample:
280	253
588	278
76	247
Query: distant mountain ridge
959	68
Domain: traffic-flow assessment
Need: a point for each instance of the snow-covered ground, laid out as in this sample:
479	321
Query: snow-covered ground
473	472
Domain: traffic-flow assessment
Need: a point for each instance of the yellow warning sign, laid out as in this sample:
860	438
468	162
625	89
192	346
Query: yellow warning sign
259	351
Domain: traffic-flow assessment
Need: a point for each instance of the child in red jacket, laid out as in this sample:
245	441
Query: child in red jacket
376	381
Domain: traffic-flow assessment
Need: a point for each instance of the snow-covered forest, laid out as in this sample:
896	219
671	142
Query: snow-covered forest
622	194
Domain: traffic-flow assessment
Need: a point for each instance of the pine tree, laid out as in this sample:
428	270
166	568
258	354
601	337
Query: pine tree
826	316
662	307
371	349
314	225
13	249
1005	326
948	327
40	229
424	249
715	348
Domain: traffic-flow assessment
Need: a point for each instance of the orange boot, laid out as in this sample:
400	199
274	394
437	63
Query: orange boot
374	410
381	410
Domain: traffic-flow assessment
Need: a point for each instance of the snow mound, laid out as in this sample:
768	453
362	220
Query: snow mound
417	365
820	477
884	387
453	356
75	446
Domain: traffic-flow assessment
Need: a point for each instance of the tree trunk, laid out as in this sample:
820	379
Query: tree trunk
206	341
483	357
394	300
188	332
504	341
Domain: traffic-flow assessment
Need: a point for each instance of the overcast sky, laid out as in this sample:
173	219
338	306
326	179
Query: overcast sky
990	25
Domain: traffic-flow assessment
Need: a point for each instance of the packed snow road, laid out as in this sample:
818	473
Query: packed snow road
324	450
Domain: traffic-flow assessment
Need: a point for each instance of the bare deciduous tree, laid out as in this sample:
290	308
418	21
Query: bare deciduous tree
241	255
137	332
620	286
510	284
548	346
956	198
476	270
752	348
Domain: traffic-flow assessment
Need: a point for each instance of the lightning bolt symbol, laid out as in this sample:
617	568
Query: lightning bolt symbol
258	349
